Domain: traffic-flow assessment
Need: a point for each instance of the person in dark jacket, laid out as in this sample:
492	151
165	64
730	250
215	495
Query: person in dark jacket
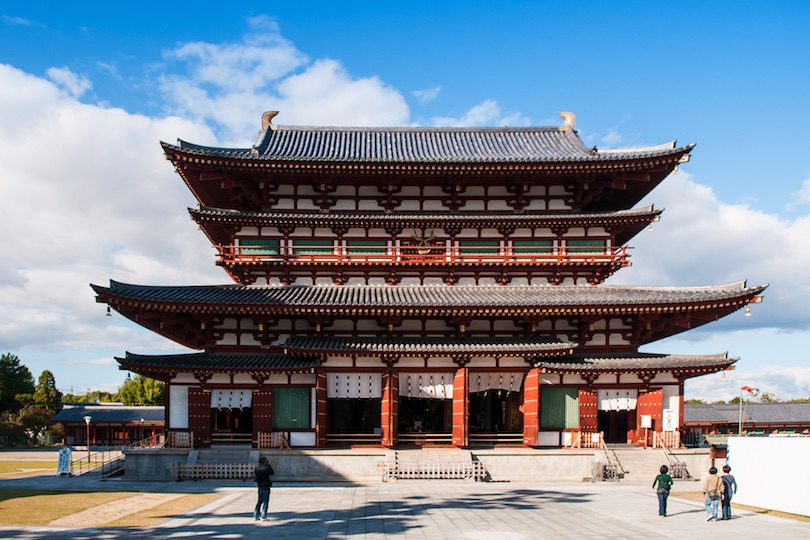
262	475
730	488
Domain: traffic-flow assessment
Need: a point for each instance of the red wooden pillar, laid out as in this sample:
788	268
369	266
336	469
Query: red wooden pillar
321	419
649	404
531	407
199	416
588	422
262	413
389	408
461	408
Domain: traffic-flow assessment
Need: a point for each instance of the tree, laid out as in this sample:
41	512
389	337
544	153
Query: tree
767	397
95	396
46	395
15	379
694	402
141	390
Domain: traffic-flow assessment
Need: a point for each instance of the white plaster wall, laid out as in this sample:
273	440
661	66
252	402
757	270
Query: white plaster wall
178	407
771	472
671	401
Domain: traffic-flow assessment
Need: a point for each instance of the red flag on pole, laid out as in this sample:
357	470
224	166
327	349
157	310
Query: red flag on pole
752	391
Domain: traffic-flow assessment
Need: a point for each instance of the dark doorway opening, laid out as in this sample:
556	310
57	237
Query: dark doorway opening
425	421
616	424
354	415
232	426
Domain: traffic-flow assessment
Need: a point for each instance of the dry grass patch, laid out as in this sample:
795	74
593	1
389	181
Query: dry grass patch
698	496
13	468
32	507
153	516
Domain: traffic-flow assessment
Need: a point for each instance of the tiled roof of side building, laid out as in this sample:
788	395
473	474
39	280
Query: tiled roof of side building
112	413
220	362
424	296
424	145
505	346
618	362
765	413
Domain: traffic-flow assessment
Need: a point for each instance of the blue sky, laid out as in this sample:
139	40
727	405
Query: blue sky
86	94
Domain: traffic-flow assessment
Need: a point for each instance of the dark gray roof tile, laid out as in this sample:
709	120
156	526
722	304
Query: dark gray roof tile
109	413
633	362
372	346
424	145
421	296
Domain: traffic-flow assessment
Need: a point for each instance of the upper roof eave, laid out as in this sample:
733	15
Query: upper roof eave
533	298
414	146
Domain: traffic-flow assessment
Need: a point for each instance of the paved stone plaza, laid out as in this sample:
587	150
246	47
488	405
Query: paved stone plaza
424	510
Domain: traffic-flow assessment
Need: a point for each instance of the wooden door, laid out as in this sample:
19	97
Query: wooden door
649	403
461	408
199	416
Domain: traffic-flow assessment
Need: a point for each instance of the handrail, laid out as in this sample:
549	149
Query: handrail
410	255
614	465
94	461
677	467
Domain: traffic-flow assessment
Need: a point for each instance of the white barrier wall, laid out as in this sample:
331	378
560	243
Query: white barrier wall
771	472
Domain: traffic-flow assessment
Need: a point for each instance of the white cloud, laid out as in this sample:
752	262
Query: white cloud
231	85
613	139
703	241
800	197
89	197
75	85
426	96
487	113
783	382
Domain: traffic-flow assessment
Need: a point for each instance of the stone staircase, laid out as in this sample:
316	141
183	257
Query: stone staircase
639	464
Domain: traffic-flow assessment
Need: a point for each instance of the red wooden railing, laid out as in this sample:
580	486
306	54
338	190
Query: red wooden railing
409	255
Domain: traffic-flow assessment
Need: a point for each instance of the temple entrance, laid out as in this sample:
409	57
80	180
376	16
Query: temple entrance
232	426
231	417
425	421
616	414
354	421
616	425
494	414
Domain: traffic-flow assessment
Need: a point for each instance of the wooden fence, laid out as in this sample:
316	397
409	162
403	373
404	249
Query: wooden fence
213	471
432	470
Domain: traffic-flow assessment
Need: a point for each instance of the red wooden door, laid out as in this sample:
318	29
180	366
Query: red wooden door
461	408
389	408
588	422
321	418
531	407
199	416
262	412
650	403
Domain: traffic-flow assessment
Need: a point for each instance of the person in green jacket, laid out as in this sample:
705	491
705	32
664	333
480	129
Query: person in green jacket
664	482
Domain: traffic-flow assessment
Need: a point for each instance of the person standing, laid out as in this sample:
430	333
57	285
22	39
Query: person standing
262	475
729	489
664	482
712	490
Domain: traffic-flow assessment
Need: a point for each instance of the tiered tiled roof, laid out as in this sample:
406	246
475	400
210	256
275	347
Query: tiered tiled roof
636	363
365	298
424	145
419	346
629	222
220	362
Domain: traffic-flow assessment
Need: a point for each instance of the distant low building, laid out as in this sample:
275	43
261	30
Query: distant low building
111	424
756	419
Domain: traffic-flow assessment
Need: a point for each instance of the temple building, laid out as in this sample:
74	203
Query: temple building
405	287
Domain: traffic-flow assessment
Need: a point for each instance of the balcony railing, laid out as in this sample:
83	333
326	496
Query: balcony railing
430	255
